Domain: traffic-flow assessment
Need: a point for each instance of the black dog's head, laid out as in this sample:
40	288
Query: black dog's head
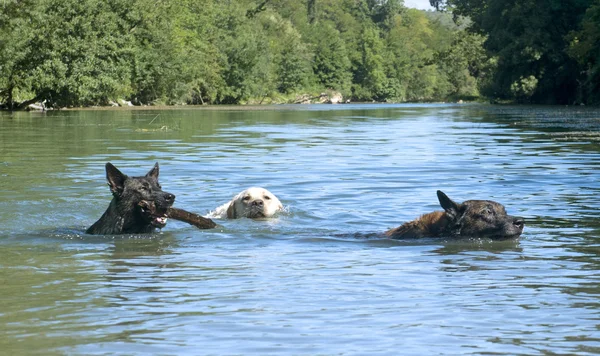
480	219
142	196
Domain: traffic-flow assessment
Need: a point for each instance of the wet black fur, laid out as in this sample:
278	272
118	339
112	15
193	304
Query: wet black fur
136	203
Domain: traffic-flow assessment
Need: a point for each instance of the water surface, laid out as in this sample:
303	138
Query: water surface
301	284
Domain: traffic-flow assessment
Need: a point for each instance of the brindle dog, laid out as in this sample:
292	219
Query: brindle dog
139	204
472	218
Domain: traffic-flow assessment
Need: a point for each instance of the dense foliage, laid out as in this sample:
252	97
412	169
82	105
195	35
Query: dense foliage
544	51
91	52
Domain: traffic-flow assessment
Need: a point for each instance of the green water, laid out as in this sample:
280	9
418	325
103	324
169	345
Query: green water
302	284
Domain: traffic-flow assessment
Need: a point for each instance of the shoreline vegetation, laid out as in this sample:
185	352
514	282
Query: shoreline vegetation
58	54
322	99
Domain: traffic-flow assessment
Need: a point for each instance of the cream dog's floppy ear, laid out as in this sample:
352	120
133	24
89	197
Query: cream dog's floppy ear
231	213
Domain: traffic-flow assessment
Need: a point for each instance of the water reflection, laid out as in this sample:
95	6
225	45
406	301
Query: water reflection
141	246
479	245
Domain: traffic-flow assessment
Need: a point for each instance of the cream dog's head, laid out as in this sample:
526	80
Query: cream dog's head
254	203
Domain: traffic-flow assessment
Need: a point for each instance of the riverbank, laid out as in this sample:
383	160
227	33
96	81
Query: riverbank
332	98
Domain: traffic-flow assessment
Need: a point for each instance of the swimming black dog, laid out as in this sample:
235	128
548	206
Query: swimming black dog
472	218
139	204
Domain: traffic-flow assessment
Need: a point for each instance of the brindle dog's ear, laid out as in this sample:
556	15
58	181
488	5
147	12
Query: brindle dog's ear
116	179
153	172
451	208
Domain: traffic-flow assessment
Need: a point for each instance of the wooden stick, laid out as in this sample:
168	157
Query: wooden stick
191	218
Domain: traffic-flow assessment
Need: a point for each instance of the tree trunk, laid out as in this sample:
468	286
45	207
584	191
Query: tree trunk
26	103
9	102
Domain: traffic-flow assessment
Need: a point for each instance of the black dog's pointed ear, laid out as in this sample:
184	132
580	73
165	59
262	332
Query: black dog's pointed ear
449	206
153	172
116	179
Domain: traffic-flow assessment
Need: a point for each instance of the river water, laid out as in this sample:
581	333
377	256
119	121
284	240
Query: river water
302	284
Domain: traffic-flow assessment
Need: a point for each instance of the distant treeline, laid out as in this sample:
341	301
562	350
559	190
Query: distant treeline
92	52
544	51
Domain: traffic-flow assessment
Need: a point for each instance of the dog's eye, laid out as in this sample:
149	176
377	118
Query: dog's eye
246	198
145	188
267	197
487	212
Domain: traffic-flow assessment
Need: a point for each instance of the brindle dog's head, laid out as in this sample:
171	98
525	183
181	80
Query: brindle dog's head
142	196
480	219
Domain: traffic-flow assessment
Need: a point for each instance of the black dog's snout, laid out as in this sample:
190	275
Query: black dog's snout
170	198
258	203
519	222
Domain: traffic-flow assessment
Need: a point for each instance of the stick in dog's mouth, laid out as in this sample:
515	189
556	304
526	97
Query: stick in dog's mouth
149	208
160	219
191	218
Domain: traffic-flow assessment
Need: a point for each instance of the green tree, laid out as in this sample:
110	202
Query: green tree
18	22
196	34
384	13
69	52
248	60
584	47
370	78
465	63
89	52
291	70
331	64
293	66
529	40
410	62
156	63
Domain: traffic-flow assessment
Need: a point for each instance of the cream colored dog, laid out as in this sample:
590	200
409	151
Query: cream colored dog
252	203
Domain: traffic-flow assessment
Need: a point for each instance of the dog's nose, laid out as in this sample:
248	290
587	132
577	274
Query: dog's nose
519	222
170	198
258	203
